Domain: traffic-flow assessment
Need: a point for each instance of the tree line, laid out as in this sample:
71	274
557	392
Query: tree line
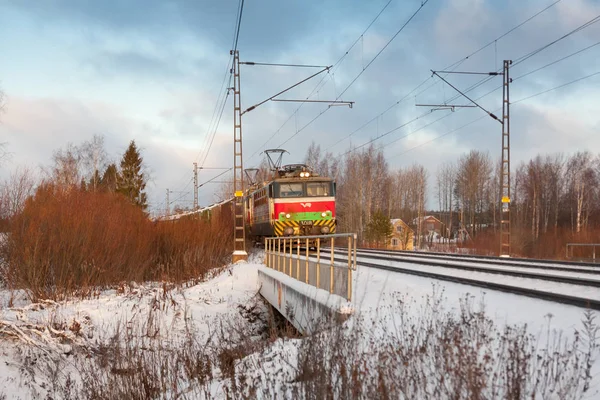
85	167
554	194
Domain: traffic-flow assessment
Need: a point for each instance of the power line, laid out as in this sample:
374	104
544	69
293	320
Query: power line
557	87
423	3
235	45
579	28
237	35
498	109
449	114
335	66
557	61
451	66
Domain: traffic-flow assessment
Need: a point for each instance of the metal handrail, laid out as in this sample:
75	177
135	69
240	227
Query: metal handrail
592	245
279	258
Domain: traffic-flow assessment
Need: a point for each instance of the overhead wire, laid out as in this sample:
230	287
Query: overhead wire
221	99
452	66
228	71
423	3
333	69
498	109
487	79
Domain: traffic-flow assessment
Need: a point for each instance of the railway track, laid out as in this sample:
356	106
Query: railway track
577	285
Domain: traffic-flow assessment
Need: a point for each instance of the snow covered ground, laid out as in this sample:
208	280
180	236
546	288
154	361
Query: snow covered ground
31	335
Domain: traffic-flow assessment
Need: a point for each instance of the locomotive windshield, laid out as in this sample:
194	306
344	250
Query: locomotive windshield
304	189
318	189
291	190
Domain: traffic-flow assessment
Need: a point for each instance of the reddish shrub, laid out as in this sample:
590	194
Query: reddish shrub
70	242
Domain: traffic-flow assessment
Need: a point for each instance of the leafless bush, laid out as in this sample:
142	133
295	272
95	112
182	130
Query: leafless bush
443	355
72	242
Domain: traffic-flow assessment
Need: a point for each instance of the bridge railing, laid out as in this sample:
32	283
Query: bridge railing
592	254
320	267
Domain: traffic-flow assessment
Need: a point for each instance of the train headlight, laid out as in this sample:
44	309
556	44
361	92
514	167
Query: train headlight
301	174
288	215
288	231
323	214
325	230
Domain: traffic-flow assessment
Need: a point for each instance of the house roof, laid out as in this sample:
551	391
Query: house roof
416	220
394	221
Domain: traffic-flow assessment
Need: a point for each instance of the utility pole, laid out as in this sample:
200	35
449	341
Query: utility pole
239	237
505	174
505	122
195	186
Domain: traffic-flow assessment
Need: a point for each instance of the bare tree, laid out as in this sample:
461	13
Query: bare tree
66	170
582	183
362	189
19	187
446	177
323	164
93	158
473	190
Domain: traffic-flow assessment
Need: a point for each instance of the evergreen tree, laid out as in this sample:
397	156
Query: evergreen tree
108	182
379	229
131	180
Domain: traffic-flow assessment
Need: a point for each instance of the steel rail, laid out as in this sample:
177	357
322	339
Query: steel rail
521	274
534	293
539	294
515	259
500	261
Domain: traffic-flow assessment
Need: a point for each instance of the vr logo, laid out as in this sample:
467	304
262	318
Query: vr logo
306	205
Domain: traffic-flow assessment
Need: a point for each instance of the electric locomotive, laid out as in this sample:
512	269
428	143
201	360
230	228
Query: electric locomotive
296	202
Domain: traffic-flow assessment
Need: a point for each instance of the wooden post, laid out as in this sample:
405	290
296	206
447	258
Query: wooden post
298	260
318	263
331	270
306	269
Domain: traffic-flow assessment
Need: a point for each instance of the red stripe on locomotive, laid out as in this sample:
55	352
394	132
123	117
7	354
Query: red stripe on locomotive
303	205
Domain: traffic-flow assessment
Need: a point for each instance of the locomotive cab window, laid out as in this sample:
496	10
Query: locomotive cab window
291	189
319	189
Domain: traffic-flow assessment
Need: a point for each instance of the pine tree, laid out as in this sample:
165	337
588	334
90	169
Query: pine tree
379	229
108	182
131	180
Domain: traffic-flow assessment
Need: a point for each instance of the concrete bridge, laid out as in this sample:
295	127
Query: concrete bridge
311	288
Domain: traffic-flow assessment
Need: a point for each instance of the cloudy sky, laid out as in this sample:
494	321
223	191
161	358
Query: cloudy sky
153	71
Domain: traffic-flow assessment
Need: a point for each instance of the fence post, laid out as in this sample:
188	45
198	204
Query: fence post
331	270
306	268
350	248
355	237
318	263
278	253
267	254
291	257
298	260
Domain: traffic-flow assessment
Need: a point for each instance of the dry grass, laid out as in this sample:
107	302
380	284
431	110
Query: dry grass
430	354
444	355
73	243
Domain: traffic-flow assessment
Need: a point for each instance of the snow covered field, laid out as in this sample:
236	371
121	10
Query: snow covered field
42	344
